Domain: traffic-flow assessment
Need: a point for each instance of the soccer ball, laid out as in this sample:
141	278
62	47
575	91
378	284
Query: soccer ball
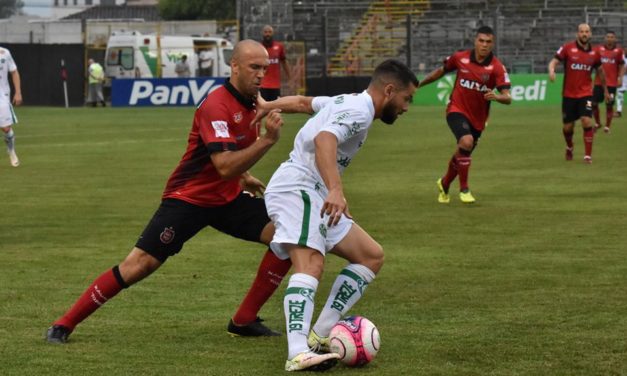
356	340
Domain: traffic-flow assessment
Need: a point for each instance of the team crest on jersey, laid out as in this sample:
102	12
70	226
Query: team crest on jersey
485	77
221	128
237	117
167	235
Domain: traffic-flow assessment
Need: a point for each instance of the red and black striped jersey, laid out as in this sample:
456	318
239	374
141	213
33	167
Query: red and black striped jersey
473	80
221	123
578	65
611	60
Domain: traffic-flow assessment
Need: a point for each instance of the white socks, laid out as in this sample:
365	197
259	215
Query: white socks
298	304
9	139
347	289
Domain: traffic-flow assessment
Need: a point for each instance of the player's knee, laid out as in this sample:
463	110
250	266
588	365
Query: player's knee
137	266
376	257
466	143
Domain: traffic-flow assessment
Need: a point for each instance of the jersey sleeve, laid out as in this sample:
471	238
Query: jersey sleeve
318	102
597	60
214	129
450	63
561	54
346	123
282	52
11	62
502	78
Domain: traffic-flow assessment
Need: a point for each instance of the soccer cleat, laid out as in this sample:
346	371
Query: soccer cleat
254	329
587	159
569	154
15	161
318	344
606	129
618	114
466	197
311	361
443	196
57	334
596	127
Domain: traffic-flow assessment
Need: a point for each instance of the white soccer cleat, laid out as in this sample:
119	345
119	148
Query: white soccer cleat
15	161
310	361
318	344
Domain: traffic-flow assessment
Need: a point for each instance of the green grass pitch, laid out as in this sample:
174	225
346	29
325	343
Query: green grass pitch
531	280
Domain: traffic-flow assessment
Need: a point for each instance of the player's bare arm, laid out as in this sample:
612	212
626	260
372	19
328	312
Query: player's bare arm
231	164
17	84
286	69
435	75
294	104
601	74
552	64
502	97
326	160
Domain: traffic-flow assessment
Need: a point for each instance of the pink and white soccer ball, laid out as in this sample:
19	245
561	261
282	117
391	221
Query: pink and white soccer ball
356	339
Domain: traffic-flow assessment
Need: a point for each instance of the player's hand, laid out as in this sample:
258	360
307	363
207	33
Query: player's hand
274	122
252	185
17	99
334	206
619	83
608	97
262	111
552	76
490	96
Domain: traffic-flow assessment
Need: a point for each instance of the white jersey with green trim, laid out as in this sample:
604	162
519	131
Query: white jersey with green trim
348	117
7	65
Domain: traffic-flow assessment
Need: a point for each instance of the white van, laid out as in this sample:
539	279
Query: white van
130	54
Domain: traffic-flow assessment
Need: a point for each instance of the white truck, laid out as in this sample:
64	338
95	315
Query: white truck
131	54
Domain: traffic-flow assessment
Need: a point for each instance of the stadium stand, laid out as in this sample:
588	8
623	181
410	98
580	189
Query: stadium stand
349	37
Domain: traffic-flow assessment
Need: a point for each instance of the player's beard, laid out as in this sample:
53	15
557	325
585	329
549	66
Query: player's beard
389	115
582	42
267	41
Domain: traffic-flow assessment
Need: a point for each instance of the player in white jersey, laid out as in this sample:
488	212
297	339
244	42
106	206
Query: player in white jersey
306	203
620	96
7	116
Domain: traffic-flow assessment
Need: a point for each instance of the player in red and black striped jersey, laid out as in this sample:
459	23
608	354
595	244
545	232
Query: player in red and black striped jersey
479	72
579	59
271	83
612	61
208	188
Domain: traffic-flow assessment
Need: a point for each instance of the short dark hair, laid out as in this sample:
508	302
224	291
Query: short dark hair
485	30
396	71
610	32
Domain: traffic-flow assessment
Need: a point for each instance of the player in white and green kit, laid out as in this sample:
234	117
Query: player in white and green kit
306	203
7	115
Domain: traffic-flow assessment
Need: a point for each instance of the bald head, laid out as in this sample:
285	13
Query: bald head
248	66
245	49
267	34
583	34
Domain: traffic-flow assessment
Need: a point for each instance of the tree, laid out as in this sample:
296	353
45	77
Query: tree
197	9
10	7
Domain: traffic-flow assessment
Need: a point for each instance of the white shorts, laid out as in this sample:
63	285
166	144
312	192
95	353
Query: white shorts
7	116
296	216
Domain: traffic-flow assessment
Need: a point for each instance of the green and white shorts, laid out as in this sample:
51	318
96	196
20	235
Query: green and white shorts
296	216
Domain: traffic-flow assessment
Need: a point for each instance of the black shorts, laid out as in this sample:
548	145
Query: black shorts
574	108
598	96
270	94
177	221
460	126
